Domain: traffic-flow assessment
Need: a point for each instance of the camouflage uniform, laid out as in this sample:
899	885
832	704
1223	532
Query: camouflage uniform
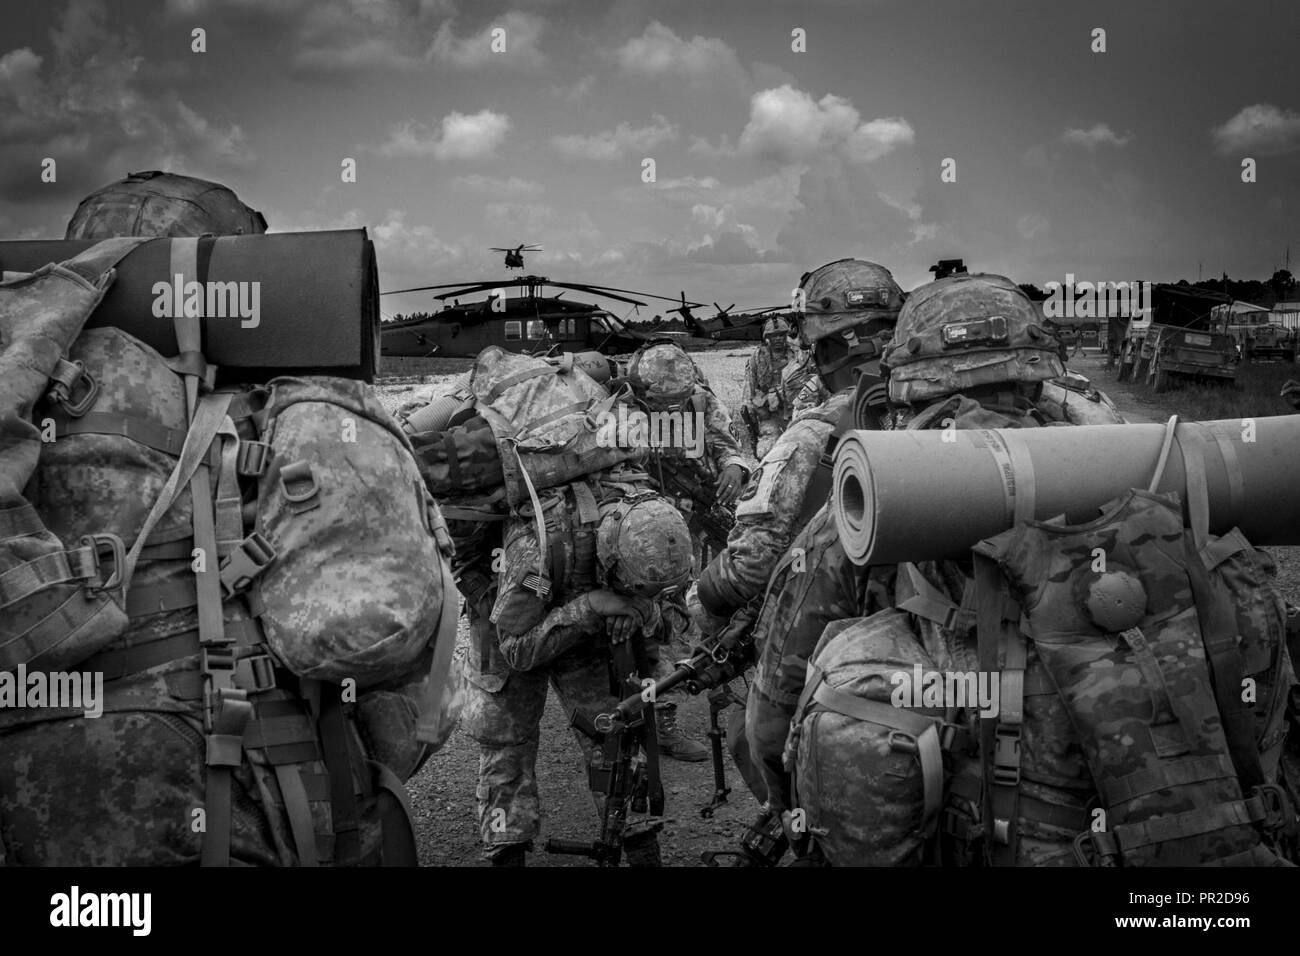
510	665
125	788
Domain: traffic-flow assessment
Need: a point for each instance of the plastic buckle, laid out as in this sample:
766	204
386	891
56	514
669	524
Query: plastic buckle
1279	815
70	375
298	473
901	742
100	545
245	563
252	458
1006	756
255	674
1095	848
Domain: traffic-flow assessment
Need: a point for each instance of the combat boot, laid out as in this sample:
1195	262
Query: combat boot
510	854
672	742
642	850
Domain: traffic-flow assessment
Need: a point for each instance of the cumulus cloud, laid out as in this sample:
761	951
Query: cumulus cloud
1097	135
522	32
461	136
1261	128
514	186
786	125
89	108
617	142
334	38
732	248
658	51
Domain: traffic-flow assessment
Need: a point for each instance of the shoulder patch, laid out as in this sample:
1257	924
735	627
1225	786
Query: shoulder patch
757	496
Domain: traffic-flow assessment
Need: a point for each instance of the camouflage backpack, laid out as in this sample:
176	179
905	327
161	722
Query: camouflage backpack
1169	663
546	421
883	814
312	576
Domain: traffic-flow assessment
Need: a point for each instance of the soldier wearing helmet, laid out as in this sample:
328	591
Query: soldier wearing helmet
609	561
777	373
664	378
163	204
967	352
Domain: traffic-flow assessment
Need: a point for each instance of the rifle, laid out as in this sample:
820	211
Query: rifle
629	785
685	479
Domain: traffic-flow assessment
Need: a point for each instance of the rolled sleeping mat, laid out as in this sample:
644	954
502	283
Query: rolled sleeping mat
931	494
437	415
314	308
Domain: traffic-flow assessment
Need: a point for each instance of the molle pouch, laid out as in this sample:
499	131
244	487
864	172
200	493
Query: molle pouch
1126	648
346	567
867	762
61	600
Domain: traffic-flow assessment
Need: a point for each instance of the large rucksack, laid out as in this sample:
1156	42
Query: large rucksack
546	420
884	812
305	607
1167	649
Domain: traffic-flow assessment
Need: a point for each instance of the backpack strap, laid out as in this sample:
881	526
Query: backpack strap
1217	620
998	635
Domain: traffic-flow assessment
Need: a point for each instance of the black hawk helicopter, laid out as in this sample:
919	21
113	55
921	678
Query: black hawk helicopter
529	321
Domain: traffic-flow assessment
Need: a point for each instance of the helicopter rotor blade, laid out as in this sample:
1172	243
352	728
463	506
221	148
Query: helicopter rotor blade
444	285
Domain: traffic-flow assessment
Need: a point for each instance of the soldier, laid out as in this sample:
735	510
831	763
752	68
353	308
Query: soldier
606	580
851	308
782	382
130	787
1013	384
664	378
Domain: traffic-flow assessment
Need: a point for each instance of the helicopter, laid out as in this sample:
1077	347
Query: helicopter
724	324
531	321
515	256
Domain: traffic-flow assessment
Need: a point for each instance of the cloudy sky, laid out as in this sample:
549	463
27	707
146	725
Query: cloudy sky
768	160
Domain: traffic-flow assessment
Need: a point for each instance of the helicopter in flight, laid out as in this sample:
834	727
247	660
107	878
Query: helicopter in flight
515	256
532	320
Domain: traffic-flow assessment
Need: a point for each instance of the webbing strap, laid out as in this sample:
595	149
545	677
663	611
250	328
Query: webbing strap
535	424
539	521
19	521
229	504
585	498
299	812
103	255
1000	753
426	729
452	454
1218	633
203	428
338	759
1192	447
918	596
1189	823
1236	485
54	567
169	441
399	846
1175	774
923	731
510	381
1022	466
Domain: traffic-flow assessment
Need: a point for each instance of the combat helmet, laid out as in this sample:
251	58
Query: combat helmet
776	336
643	546
662	374
162	204
849	306
966	332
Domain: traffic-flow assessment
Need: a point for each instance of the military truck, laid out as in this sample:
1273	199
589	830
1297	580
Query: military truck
1179	354
1264	342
